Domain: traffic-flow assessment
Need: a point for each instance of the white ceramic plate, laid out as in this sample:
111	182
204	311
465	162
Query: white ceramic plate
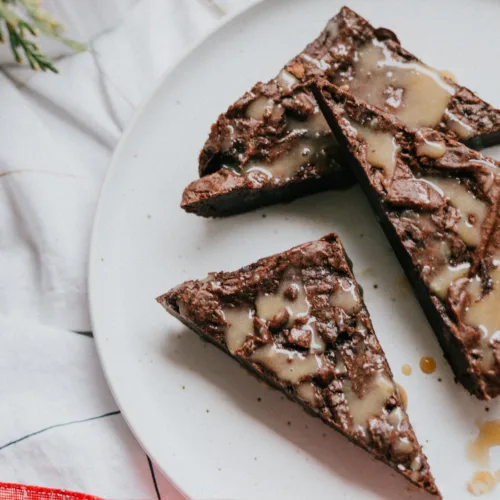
194	410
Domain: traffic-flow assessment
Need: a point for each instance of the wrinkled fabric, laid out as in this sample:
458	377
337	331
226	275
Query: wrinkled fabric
60	425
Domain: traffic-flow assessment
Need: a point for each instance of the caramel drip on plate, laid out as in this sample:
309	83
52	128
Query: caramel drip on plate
406	370
427	365
482	482
478	450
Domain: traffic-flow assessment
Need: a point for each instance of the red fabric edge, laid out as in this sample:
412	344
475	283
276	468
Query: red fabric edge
11	491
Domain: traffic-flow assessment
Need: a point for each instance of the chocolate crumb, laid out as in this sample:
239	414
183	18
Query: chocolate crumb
375	285
486	409
289	423
279	320
264	216
291	293
440	379
259	399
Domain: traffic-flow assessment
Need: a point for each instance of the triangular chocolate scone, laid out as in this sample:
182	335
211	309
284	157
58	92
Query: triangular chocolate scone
438	203
297	320
272	145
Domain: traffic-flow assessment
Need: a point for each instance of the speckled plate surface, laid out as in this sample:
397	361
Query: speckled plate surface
217	432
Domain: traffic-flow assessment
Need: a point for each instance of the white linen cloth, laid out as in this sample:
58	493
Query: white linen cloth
59	425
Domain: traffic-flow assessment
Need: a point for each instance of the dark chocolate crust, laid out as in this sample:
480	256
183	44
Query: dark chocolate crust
416	218
350	358
225	193
353	33
237	140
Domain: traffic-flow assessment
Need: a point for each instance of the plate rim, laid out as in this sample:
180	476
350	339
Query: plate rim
94	259
92	265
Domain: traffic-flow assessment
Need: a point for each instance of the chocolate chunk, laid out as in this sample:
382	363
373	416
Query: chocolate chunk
299	338
280	320
291	293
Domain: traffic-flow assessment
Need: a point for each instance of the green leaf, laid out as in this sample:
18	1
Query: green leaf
35	19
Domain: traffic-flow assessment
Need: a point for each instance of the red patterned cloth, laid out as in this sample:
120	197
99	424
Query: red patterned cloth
22	492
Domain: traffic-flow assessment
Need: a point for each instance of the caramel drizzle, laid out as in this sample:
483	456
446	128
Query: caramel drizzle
476	234
289	304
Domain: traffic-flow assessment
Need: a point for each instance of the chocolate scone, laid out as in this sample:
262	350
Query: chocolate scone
272	145
298	321
438	203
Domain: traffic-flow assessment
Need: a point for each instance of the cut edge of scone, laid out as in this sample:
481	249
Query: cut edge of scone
438	202
244	165
298	321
